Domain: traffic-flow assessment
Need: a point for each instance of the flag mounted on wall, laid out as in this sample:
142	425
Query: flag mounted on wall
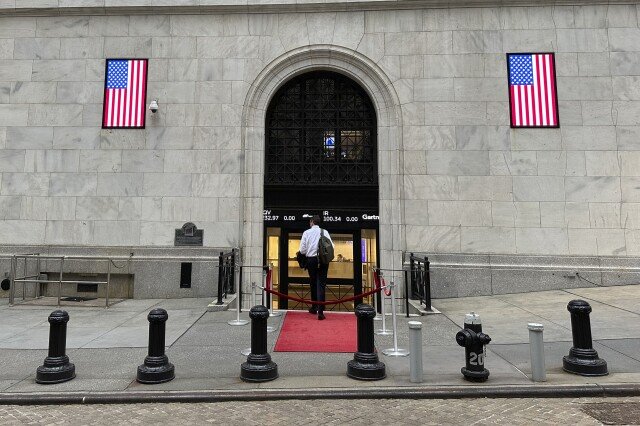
125	94
533	100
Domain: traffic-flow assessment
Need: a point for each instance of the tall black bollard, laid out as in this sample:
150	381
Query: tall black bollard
365	364
56	367
259	367
156	367
582	358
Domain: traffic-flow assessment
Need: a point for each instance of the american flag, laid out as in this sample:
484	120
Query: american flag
532	90
125	93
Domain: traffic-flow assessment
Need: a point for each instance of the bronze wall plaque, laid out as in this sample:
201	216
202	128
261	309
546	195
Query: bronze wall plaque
189	235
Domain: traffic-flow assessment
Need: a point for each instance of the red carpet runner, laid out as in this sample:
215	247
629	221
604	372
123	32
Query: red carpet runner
302	332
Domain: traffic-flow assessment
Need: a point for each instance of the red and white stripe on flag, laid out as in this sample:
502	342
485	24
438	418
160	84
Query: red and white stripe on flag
125	94
533	100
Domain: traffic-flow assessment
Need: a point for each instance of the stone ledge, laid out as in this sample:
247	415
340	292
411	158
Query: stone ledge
416	308
115	7
226	303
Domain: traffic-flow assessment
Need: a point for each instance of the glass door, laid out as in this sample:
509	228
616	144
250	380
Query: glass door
351	271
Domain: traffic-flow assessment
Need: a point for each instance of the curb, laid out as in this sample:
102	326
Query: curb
427	392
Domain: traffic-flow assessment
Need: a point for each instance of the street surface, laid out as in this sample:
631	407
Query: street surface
530	411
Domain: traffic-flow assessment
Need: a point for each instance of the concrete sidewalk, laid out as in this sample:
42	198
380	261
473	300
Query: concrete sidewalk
107	345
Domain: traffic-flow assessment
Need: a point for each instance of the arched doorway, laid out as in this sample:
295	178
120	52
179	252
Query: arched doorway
321	157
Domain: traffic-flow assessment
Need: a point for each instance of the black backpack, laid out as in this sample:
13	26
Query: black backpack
325	249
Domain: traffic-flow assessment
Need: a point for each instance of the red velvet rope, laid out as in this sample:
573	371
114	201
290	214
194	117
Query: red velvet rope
328	302
313	302
387	290
268	283
376	279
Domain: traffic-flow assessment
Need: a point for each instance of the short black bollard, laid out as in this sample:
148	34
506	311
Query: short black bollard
473	340
365	364
56	368
582	358
156	368
259	367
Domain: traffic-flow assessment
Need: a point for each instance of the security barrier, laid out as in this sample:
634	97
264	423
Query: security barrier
26	269
420	279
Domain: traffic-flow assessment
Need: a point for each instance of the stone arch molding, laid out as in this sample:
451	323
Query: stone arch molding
380	88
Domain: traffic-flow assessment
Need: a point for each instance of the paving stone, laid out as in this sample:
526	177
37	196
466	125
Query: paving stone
516	411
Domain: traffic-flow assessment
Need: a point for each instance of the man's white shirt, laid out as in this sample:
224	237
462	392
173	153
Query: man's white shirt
310	239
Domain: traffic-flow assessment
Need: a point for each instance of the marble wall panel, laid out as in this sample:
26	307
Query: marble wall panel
10	207
51	161
606	163
34	184
538	188
552	241
29	137
120	184
459	213
487	240
456	163
36	48
485	188
593	189
16	70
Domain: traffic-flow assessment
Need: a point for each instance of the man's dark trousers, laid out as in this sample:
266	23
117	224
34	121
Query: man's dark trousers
318	276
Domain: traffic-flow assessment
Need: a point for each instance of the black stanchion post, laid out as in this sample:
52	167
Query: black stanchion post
582	358
156	367
427	284
220	277
365	364
240	289
232	276
259	367
406	291
412	269
56	367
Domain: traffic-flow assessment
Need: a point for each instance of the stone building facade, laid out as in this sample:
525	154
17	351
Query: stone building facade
497	209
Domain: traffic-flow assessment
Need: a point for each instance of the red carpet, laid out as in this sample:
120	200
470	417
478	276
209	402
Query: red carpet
302	332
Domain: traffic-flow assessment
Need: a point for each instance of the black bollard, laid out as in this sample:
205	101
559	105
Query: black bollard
56	367
259	367
582	358
365	364
156	368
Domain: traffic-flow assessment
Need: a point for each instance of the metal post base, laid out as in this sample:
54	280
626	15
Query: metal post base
245	351
584	362
366	367
55	370
475	376
238	322
395	352
382	332
258	368
156	369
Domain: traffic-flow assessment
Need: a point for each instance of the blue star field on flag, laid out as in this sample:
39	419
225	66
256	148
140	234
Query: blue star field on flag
521	69
117	74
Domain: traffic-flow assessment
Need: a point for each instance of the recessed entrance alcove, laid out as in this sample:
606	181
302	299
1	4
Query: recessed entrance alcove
342	159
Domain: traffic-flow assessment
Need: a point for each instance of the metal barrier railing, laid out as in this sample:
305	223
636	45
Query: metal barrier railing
26	278
227	263
420	279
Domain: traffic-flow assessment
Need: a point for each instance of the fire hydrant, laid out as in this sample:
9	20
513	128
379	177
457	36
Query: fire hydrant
473	340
